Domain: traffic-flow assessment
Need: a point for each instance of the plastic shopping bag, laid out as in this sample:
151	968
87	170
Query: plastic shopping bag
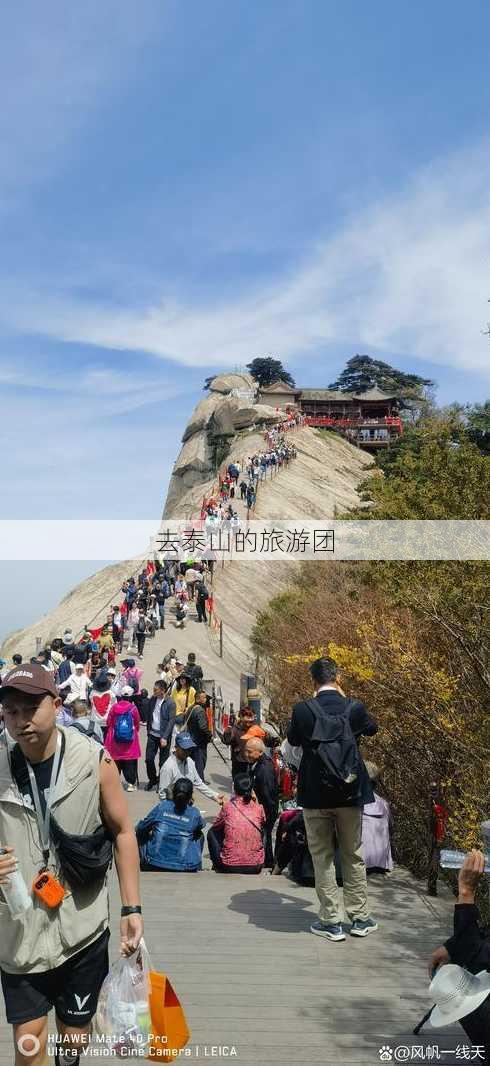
123	1012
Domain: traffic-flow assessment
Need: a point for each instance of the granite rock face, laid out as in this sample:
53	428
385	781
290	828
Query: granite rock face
202	414
322	480
256	415
226	411
225	383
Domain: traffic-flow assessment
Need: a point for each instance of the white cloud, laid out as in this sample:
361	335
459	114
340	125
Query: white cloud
58	63
95	387
409	275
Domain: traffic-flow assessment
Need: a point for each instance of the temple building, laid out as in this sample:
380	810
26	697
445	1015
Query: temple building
369	419
279	394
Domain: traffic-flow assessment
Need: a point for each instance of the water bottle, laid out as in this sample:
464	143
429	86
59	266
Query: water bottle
453	860
15	893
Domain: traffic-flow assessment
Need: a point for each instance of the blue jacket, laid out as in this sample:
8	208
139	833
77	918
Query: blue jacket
167	839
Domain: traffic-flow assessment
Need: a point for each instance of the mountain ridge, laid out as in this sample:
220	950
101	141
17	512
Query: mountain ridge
321	481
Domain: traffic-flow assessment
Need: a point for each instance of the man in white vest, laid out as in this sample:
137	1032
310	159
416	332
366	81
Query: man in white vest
55	952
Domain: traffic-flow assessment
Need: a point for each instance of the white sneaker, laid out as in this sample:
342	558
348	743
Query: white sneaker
131	788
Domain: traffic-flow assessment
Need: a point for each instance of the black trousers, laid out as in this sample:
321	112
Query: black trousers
129	770
140	641
152	750
270	821
200	757
201	610
215	843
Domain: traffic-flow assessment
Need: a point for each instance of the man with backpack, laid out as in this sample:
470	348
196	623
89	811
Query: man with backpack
82	720
193	671
55	953
333	786
162	593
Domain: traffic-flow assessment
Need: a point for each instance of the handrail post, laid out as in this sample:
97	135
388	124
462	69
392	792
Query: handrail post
434	851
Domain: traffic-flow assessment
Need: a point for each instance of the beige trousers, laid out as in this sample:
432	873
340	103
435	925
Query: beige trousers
346	823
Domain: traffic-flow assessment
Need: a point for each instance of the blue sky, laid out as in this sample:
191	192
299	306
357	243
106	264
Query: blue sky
186	186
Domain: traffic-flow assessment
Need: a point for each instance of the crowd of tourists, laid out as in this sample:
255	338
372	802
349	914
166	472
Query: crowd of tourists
109	705
241	480
77	725
306	803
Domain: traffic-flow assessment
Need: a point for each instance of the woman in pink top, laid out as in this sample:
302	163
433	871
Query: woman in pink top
236	838
122	739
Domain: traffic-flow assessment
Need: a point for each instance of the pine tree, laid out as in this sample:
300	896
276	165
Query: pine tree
362	373
266	371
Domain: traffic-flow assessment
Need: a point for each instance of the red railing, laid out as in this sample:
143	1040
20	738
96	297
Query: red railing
348	423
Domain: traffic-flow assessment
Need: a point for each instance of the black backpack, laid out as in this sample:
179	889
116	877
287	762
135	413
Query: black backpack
335	746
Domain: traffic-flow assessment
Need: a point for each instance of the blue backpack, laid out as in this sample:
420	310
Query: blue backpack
124	728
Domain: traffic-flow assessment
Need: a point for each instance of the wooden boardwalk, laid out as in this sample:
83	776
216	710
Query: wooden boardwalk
250	974
253	977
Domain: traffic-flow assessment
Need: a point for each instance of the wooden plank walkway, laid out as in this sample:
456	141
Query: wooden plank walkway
250	974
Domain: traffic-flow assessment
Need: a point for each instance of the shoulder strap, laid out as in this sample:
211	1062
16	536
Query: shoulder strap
314	705
184	724
90	732
249	820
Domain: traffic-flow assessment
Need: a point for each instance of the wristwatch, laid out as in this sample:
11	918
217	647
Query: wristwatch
125	911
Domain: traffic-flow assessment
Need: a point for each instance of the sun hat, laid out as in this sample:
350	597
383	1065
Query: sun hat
457	992
127	691
111	670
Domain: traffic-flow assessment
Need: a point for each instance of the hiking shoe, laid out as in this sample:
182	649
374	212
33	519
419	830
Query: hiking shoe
330	932
362	927
150	786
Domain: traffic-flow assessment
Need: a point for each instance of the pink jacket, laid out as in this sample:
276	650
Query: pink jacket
130	750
